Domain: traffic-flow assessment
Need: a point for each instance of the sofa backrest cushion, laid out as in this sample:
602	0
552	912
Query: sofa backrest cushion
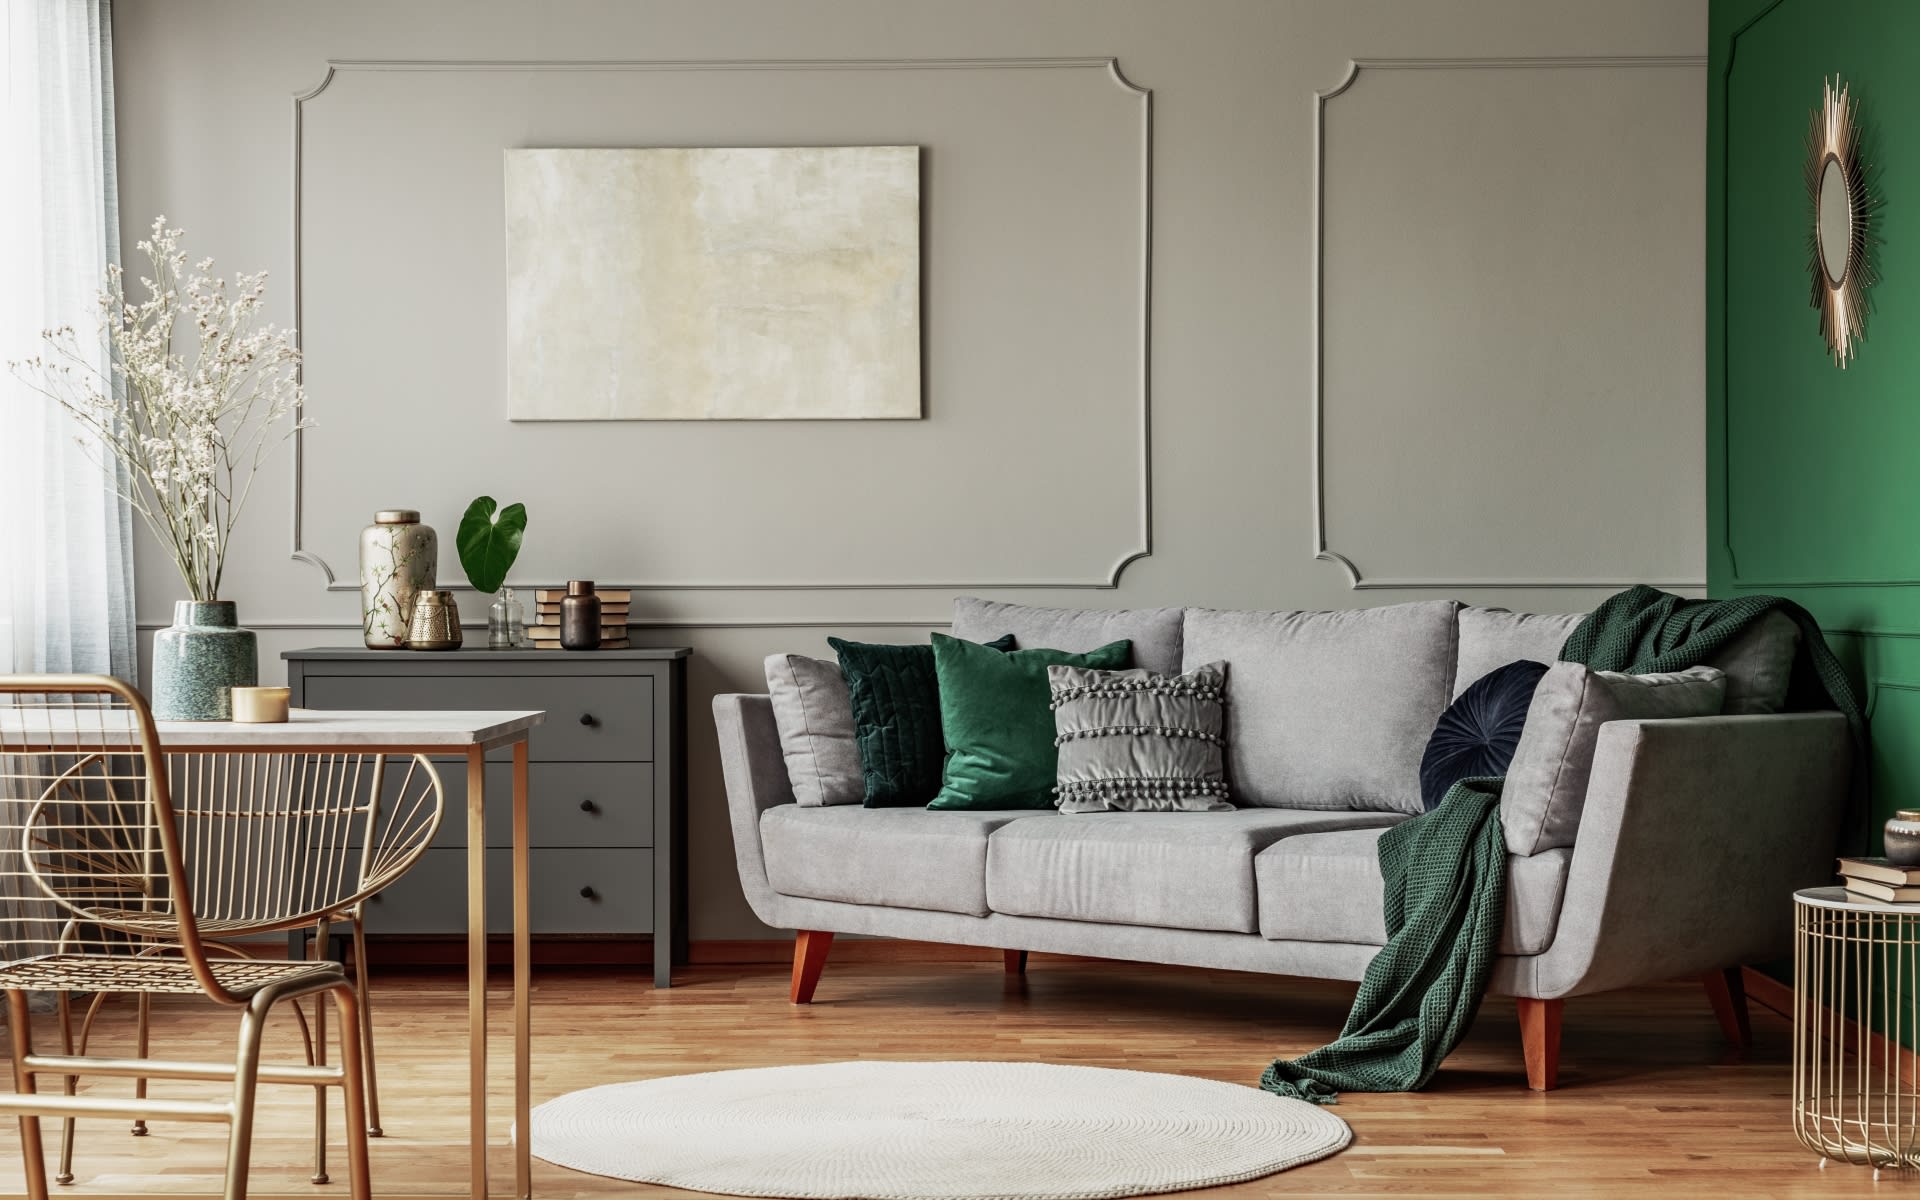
814	715
1490	638
1546	787
1154	632
1329	710
1759	665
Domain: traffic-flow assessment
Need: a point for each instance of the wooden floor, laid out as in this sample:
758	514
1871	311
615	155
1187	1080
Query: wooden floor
1651	1104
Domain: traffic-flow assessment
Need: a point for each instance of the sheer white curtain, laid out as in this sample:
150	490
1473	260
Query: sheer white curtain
66	554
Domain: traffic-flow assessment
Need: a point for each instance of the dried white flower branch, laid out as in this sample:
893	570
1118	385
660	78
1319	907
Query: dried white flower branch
191	422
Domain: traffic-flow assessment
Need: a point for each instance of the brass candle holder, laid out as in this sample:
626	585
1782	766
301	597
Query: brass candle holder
261	705
436	622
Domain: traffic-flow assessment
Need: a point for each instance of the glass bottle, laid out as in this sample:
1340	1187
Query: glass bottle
507	622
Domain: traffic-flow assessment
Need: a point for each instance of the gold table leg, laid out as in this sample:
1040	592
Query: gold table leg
477	968
522	984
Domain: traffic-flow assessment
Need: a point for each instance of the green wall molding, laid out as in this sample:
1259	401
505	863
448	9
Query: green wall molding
1807	486
1811	490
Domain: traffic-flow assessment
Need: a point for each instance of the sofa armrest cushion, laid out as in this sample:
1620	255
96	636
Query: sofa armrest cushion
755	771
1695	834
1546	785
814	714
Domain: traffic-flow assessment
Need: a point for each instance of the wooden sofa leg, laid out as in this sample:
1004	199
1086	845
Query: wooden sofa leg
810	948
1540	1039
1727	992
1016	961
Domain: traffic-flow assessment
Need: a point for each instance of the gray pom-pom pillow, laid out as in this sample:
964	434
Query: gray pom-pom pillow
1140	741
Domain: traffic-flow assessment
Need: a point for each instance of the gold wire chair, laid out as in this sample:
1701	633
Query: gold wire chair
390	825
108	886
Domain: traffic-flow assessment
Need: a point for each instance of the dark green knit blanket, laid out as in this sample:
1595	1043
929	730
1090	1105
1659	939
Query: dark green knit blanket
1445	872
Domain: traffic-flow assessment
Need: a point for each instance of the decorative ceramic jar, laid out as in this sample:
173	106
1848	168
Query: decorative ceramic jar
199	660
580	616
436	622
1903	838
399	559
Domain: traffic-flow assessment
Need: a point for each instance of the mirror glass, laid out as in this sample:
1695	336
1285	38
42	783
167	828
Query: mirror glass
1836	221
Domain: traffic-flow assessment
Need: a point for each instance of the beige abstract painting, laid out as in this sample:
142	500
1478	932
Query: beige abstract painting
713	284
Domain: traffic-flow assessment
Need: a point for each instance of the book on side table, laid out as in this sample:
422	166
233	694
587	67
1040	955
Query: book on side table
1879	879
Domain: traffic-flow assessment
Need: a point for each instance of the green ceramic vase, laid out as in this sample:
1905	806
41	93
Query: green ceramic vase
198	660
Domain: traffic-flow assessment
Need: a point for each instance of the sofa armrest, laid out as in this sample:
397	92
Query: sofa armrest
755	771
1695	833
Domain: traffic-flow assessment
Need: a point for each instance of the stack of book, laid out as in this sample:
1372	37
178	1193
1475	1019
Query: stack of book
1878	879
543	625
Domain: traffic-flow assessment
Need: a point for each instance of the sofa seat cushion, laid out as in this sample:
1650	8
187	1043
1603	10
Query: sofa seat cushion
1173	870
1326	887
1329	710
895	857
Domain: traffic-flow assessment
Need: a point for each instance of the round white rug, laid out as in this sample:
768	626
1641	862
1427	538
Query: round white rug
932	1131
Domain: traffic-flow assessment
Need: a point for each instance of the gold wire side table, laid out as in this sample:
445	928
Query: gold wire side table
1856	1005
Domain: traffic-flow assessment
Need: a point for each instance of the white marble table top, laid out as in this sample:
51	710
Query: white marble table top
306	728
1841	898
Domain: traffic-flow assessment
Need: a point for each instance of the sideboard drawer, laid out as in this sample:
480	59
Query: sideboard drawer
590	718
569	804
432	898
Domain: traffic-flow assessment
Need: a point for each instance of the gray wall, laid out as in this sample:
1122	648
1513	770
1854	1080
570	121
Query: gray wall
1511	323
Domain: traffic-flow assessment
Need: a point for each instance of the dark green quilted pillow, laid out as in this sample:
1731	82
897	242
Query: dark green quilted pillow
896	718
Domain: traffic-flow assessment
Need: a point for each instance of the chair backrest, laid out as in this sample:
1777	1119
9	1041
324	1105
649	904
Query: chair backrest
107	845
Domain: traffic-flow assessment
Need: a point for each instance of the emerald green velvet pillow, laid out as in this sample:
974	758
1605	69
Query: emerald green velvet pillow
996	712
896	718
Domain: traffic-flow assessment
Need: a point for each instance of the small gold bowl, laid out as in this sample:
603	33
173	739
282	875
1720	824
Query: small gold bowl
261	705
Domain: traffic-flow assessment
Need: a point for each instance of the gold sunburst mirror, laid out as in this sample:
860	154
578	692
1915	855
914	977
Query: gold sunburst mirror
1842	222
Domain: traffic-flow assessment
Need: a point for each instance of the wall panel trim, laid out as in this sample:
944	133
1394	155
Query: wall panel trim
1357	580
297	623
1108	66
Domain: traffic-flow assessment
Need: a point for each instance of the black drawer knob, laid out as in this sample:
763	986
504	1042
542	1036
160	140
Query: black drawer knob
588	806
587	893
589	720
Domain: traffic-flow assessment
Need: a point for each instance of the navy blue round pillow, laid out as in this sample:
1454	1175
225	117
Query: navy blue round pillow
1477	734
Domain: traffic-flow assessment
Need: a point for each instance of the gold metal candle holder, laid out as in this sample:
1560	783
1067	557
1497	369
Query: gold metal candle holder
260	705
436	622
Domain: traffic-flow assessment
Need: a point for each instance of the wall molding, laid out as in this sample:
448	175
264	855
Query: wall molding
1107	66
1871	631
1734	577
1322	551
267	624
1877	685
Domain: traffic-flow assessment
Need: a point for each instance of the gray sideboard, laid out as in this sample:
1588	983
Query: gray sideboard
607	796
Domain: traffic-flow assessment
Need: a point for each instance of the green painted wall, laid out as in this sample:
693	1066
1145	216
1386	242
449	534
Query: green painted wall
1813	472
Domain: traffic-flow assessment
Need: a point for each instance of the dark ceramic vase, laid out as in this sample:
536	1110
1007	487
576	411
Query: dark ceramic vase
199	659
580	616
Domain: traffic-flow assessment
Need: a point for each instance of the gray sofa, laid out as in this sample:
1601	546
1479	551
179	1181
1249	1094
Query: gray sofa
1693	834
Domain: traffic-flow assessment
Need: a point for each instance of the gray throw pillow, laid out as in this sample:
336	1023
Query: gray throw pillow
1139	741
1546	788
1759	665
814	715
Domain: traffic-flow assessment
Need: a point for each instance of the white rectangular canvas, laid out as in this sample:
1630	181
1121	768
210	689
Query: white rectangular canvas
713	284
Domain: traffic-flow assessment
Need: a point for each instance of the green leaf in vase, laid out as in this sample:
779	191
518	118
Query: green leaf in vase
489	541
